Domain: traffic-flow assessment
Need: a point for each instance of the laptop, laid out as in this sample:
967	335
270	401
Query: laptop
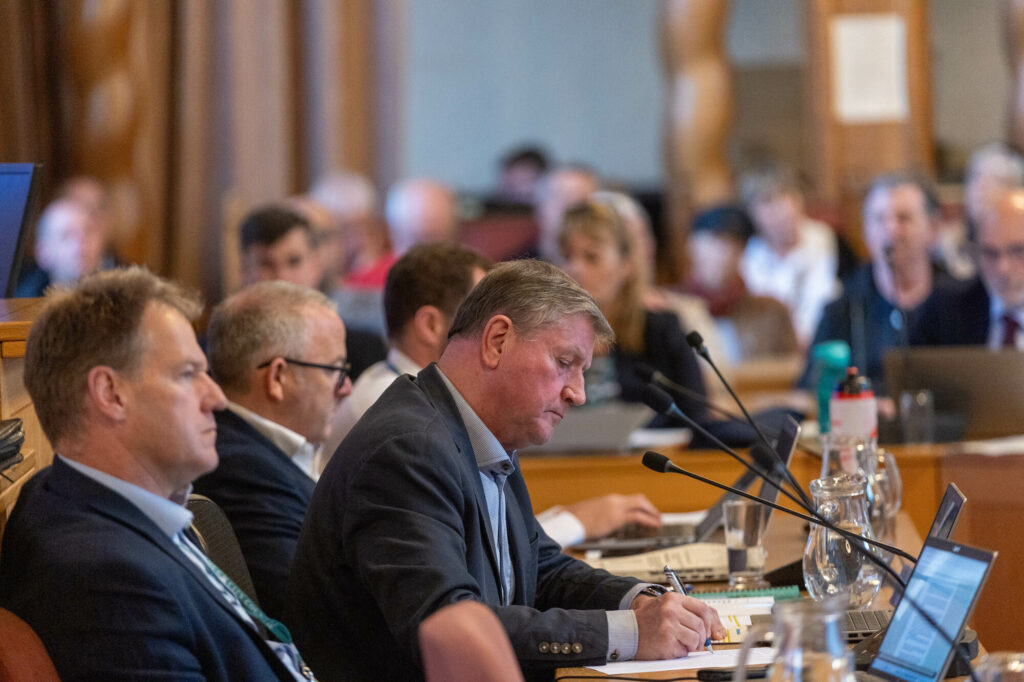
983	387
861	624
18	189
635	538
599	428
946	583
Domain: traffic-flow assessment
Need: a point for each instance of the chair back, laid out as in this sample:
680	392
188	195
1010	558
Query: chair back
218	541
23	658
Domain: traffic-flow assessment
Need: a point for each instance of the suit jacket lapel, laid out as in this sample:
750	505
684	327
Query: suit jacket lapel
106	502
430	382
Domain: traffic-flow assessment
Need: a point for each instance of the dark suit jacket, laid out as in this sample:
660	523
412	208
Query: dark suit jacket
112	597
956	317
398	528
265	497
666	350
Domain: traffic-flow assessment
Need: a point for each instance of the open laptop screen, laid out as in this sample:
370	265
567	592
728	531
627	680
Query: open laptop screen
17	188
946	583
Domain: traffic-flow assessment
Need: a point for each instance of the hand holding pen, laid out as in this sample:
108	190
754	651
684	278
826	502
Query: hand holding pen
673	580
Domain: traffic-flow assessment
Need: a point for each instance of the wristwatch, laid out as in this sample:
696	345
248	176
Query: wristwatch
653	591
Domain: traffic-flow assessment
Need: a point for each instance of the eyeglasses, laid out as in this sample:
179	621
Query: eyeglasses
342	369
991	255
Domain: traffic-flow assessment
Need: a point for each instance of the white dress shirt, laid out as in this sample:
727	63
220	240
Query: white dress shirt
302	453
804	279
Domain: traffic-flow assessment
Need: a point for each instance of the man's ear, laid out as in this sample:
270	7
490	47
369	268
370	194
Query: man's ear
494	342
431	326
274	379
108	392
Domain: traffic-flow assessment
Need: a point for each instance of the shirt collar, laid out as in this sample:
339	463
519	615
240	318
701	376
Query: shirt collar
170	517
400	363
299	450
490	456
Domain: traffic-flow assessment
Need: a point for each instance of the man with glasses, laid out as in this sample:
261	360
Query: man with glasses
278	352
990	309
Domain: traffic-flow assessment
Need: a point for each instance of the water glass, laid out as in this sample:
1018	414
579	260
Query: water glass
745	523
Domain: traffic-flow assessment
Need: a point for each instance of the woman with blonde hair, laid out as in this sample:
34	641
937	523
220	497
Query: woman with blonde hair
600	253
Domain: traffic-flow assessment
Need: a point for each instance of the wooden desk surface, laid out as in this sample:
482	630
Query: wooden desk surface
993	517
786	536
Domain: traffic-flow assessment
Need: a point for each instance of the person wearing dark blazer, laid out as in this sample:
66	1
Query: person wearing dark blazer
423	505
957	315
990	310
96	557
112	597
278	352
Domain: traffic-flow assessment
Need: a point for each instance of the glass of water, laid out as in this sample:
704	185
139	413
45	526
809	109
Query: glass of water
745	523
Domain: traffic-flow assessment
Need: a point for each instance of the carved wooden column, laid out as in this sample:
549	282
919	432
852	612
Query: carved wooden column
114	60
1013	22
699	109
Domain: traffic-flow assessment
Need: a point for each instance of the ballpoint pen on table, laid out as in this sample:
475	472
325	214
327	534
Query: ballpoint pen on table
674	580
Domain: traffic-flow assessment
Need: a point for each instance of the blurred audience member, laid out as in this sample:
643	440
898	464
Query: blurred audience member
599	252
989	310
992	170
69	244
362	249
521	171
420	211
559	190
328	245
279	243
882	300
692	311
791	257
751	327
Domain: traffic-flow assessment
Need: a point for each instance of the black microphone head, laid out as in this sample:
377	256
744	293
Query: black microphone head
645	372
655	461
765	459
696	342
656	399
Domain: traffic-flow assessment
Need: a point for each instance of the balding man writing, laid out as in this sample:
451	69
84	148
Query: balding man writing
424	505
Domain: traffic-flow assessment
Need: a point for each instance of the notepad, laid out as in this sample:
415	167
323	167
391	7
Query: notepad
736	612
697	562
723	658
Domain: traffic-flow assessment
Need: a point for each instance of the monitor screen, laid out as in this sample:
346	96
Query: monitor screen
17	195
949	511
946	583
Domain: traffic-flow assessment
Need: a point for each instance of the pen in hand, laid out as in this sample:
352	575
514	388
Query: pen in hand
673	579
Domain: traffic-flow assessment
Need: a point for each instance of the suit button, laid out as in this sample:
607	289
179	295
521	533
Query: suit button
543	647
577	648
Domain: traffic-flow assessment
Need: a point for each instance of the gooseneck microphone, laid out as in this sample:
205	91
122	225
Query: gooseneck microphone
658	462
661	402
663	465
696	341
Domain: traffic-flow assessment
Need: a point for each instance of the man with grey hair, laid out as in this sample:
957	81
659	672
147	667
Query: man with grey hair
278	351
420	211
97	557
424	505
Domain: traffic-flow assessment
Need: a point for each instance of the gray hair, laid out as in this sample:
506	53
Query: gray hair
534	295
260	322
890	181
94	323
1009	166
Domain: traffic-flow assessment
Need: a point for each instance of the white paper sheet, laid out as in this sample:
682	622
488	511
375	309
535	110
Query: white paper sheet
722	658
869	68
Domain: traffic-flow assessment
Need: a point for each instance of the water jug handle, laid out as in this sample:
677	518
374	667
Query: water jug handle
755	633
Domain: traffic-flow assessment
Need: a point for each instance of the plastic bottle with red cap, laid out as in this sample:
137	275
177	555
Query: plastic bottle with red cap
853	421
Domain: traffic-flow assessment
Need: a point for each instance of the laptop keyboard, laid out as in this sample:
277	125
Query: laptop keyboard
862	624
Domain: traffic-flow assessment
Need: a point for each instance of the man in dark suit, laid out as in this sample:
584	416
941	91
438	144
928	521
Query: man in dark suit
96	557
988	310
423	504
278	352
